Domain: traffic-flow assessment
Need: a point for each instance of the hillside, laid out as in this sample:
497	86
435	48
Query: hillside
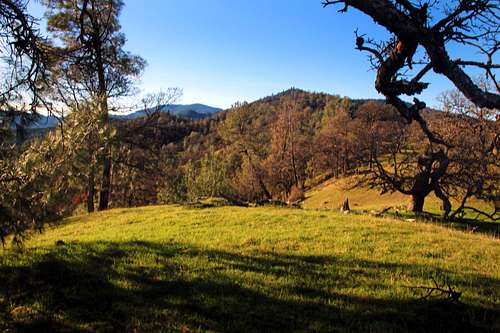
181	269
332	193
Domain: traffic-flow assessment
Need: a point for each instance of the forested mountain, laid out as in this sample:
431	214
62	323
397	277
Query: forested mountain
274	148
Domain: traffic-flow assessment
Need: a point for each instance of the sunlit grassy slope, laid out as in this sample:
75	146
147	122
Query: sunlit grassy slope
332	193
231	269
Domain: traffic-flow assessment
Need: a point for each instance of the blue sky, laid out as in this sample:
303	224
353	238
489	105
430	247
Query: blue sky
223	51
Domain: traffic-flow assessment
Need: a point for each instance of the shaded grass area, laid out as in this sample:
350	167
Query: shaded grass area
247	270
491	228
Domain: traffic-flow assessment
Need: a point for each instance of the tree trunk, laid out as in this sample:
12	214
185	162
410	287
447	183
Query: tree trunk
420	190
417	203
446	202
259	179
106	184
106	168
90	195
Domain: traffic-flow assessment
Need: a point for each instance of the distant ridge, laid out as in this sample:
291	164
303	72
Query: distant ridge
189	111
291	91
31	121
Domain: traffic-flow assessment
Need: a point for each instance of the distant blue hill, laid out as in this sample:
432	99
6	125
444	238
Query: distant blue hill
191	111
39	122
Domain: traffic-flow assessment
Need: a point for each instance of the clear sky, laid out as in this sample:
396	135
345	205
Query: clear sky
223	51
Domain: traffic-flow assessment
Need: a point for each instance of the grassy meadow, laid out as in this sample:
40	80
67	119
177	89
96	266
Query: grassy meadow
231	269
332	193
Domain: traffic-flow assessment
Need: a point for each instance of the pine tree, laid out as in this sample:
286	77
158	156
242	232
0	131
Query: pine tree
94	65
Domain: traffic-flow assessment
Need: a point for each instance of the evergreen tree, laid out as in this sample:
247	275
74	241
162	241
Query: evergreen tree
94	65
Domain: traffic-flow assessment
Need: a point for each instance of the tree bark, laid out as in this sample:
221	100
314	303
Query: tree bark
103	96
106	184
417	204
446	202
90	195
386	14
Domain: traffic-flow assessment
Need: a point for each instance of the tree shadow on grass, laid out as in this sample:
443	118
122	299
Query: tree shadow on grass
150	287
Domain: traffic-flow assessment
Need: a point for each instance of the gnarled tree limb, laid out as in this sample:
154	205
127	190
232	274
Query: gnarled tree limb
412	28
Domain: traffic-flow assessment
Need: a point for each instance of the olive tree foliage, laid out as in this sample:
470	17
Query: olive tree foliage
45	182
26	194
25	58
208	177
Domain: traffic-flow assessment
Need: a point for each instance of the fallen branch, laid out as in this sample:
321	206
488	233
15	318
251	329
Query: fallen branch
446	293
383	211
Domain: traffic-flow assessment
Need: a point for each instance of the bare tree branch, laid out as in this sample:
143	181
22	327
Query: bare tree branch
469	22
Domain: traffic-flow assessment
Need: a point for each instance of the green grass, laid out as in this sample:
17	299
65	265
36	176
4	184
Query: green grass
230	269
332	193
